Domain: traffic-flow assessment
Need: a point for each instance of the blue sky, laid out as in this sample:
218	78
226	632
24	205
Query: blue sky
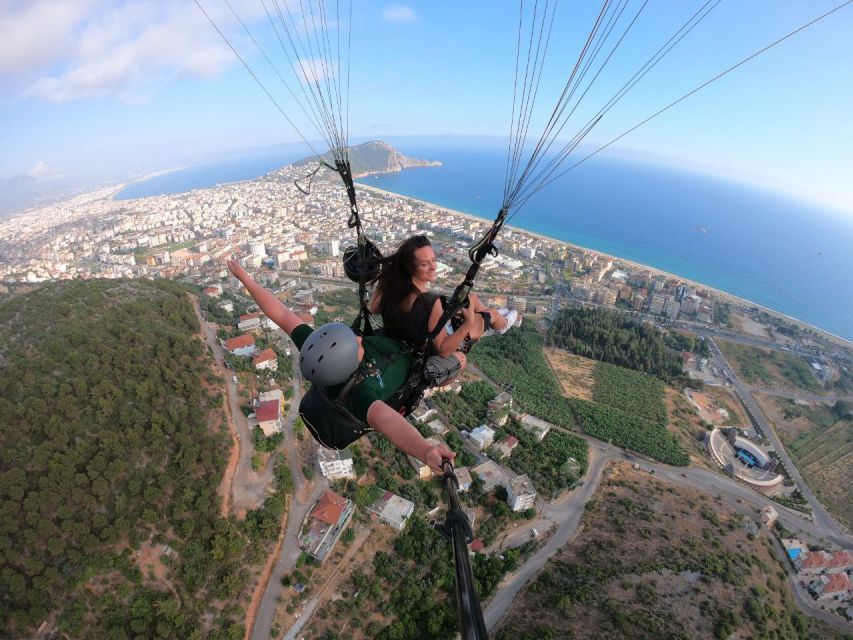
112	87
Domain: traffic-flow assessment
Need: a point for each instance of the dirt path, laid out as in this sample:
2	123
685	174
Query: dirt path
224	488
324	590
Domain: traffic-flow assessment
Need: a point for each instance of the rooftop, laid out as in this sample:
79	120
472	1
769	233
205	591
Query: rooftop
268	410
329	508
240	342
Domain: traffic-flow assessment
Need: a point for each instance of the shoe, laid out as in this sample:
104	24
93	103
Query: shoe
512	318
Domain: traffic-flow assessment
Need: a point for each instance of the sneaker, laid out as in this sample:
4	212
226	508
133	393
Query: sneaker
512	318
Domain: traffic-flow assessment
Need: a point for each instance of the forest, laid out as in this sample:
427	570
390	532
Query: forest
111	442
618	339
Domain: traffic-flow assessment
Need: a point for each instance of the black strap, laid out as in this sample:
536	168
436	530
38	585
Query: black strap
458	529
361	324
477	253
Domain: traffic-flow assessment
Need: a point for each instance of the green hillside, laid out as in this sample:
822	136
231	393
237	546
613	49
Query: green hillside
110	445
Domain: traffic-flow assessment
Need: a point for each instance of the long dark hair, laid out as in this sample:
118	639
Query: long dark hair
395	280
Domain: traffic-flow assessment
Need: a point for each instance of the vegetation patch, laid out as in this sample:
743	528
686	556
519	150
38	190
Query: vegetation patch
653	561
105	455
618	339
635	393
516	359
467	409
555	464
336	305
407	592
769	367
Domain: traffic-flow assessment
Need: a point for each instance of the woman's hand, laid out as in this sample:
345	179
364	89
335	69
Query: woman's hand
238	271
472	322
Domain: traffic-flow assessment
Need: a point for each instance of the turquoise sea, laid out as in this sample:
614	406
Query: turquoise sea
790	255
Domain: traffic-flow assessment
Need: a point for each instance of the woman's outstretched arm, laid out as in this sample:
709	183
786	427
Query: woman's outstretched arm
269	304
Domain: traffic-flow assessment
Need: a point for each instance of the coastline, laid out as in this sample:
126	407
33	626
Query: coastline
724	295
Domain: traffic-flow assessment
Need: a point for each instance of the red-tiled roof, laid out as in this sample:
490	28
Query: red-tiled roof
837	582
477	545
838	559
264	356
813	560
240	342
267	411
510	441
249	316
329	508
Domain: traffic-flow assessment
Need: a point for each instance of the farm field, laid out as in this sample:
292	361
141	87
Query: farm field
575	374
821	447
517	359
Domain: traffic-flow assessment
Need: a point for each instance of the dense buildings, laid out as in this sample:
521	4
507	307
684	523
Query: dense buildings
269	222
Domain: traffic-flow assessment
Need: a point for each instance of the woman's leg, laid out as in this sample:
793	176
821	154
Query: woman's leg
497	321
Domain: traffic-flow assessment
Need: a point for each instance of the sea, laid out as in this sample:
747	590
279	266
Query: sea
787	254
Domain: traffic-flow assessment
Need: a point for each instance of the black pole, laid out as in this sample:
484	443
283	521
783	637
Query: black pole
456	526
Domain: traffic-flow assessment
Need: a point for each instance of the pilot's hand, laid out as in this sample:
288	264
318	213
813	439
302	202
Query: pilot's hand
435	455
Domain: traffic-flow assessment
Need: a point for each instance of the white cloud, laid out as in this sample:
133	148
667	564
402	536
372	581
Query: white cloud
400	13
132	47
40	170
38	32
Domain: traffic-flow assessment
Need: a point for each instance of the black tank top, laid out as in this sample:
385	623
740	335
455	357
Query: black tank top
413	327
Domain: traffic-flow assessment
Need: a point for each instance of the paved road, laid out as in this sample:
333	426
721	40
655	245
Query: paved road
297	510
566	512
829	399
311	605
821	515
298	507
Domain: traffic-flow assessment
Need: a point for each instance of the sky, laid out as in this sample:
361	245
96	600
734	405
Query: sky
112	88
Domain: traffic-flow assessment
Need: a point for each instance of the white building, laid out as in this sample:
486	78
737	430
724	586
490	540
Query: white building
482	437
266	359
249	322
335	464
393	509
520	494
268	415
537	427
438	427
492	474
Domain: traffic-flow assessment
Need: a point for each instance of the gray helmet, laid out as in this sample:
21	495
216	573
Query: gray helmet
329	355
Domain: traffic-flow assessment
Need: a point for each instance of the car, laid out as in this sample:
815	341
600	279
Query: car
234	379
